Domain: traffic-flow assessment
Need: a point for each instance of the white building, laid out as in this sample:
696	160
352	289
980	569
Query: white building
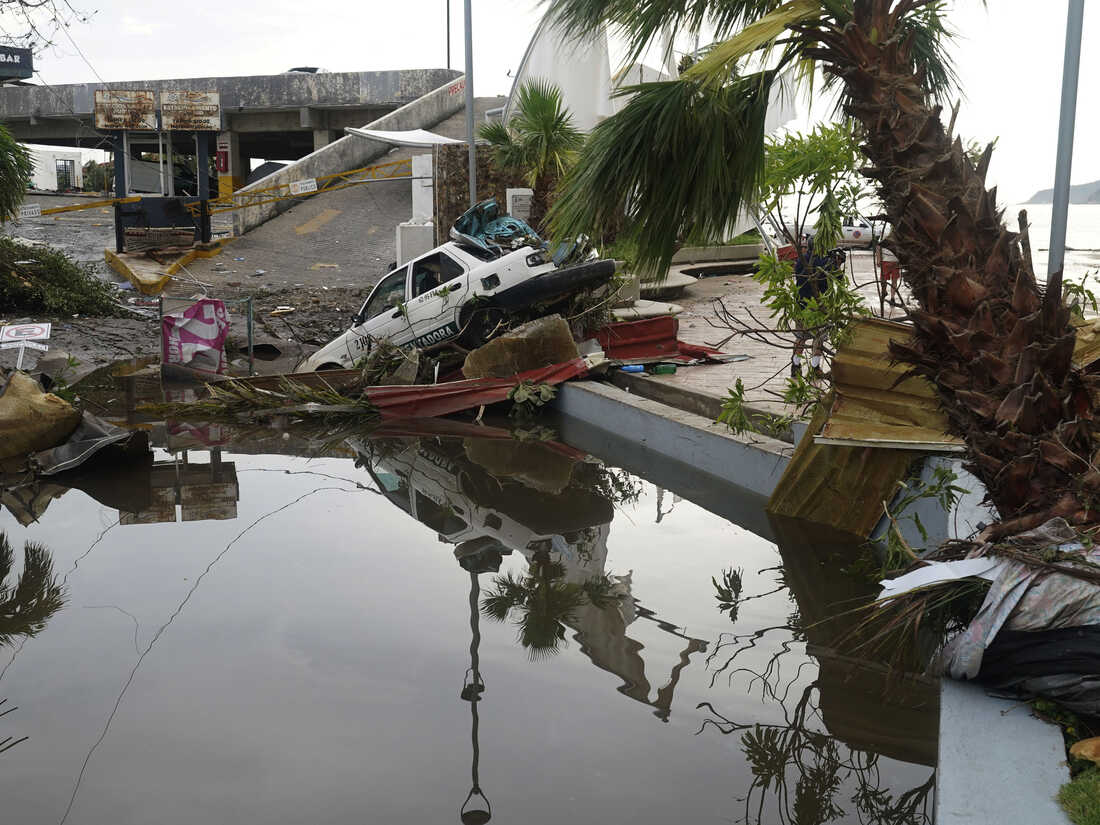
57	170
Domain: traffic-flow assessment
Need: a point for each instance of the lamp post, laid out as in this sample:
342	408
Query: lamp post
1060	211
470	102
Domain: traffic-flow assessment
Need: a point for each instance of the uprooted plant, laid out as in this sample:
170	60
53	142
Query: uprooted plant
238	400
39	279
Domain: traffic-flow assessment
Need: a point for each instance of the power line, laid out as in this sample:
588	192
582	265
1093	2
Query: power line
64	27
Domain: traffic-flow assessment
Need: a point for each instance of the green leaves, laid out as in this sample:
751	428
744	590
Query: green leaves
679	161
16	171
723	58
819	173
540	139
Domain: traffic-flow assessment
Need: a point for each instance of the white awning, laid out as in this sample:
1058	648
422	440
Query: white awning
413	137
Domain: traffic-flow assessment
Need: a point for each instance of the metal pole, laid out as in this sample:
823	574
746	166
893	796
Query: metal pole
448	34
1066	119
470	102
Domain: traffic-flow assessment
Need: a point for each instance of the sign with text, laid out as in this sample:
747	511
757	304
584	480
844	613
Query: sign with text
30	210
303	187
191	111
24	332
30	344
15	64
119	109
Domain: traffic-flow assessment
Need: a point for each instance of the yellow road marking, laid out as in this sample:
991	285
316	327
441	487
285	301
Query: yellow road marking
315	223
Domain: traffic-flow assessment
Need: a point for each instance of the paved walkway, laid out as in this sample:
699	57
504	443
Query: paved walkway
764	375
340	239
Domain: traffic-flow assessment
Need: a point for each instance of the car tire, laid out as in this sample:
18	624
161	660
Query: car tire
477	323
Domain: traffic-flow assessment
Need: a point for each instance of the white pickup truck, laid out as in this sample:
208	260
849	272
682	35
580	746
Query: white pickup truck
459	292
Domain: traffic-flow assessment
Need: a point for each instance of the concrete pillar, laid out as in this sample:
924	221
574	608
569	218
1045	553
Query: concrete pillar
423	193
234	176
321	138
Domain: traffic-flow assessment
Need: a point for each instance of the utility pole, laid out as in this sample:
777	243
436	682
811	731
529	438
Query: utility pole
470	103
1071	68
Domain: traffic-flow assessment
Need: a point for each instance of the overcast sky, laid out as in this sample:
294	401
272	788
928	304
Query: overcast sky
1009	58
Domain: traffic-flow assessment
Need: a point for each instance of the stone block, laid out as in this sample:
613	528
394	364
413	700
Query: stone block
538	343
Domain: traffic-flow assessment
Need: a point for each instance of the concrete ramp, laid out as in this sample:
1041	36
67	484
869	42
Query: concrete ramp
350	152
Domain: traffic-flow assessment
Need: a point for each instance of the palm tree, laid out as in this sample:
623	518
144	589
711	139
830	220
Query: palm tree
538	142
36	596
16	171
683	157
544	601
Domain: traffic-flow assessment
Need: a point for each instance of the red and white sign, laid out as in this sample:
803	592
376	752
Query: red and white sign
24	332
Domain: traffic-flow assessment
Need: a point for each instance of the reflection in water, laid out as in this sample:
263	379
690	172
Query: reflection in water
476	557
554	506
25	606
803	772
28	603
487	498
543	600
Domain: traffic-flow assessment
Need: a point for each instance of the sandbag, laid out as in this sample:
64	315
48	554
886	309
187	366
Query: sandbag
30	419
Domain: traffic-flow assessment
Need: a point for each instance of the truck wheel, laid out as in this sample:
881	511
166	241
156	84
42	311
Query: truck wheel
478	323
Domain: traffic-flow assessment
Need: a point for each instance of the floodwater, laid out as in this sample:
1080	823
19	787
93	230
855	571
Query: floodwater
417	628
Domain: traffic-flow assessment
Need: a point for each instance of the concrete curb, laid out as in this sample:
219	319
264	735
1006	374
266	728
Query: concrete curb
153	282
699	403
754	462
997	762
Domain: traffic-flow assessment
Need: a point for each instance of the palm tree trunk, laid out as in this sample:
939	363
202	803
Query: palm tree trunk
997	348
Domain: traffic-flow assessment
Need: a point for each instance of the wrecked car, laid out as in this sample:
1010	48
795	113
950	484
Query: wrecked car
460	291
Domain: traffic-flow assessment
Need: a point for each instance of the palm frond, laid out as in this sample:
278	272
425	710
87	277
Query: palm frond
495	133
639	23
16	171
37	595
679	161
928	35
724	56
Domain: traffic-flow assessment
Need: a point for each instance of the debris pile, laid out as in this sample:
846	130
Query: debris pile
1020	614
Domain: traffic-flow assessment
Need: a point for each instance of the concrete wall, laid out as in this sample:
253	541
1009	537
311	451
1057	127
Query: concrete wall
270	92
45	169
352	152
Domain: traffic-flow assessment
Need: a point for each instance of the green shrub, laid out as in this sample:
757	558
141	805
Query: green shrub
41	280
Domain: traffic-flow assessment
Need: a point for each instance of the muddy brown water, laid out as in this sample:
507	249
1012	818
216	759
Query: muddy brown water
247	636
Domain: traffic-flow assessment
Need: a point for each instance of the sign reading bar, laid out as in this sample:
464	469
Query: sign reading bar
15	64
191	111
117	109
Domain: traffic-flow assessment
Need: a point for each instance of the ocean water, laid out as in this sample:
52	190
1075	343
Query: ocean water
1082	238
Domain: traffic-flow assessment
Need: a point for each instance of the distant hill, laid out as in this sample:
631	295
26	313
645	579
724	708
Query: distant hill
1081	193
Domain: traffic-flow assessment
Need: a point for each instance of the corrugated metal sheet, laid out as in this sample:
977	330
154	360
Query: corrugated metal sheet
871	407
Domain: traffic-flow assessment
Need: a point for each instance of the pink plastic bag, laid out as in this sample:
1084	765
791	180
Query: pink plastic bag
195	337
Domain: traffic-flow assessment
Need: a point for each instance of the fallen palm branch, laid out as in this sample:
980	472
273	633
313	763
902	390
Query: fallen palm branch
915	628
242	400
